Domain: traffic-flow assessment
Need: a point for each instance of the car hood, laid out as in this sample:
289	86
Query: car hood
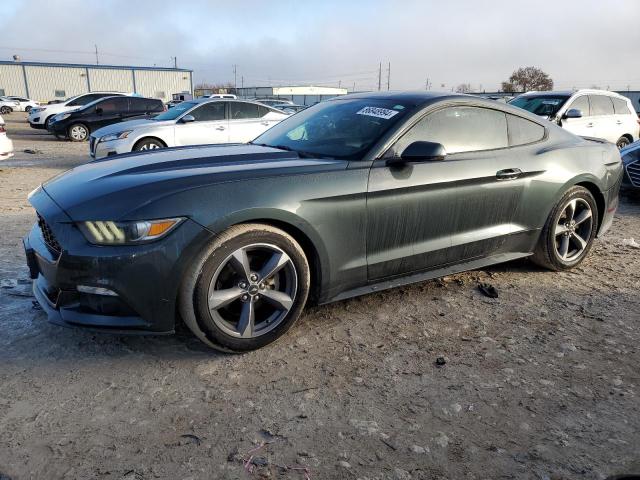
130	125
119	187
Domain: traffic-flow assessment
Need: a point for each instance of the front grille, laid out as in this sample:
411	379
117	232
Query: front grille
48	236
633	170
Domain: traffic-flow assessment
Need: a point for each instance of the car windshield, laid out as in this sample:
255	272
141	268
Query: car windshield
176	111
343	129
543	105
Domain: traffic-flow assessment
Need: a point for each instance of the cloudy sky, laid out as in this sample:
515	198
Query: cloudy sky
580	43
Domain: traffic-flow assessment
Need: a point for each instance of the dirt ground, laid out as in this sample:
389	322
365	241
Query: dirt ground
542	382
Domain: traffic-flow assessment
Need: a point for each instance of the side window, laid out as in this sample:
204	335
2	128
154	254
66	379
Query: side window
114	105
620	106
209	112
600	105
581	103
522	131
143	105
262	111
242	110
459	129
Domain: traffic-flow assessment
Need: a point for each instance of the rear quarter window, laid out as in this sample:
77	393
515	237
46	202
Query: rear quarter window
523	131
620	106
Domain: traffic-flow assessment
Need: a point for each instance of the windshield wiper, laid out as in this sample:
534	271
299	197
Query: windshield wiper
300	153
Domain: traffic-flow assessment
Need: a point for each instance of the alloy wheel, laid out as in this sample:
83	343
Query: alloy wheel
78	132
573	230
150	146
252	290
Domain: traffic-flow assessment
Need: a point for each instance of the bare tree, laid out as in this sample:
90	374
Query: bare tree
529	78
464	88
508	87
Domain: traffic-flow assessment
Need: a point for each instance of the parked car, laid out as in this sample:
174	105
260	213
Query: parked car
7	106
289	107
631	161
197	122
76	125
351	196
24	104
40	116
590	113
221	95
6	145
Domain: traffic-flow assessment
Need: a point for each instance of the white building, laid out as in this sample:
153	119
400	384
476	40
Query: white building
57	81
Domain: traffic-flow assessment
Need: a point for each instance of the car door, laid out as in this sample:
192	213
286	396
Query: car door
426	215
246	121
626	121
583	126
604	119
108	111
210	125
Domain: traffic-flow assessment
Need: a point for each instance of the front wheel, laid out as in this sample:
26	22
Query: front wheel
27	108
569	231
148	144
5	110
247	289
78	132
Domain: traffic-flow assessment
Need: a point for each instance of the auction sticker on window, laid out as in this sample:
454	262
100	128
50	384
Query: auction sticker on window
378	112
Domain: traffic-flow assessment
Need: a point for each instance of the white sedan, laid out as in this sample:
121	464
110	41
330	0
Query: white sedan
24	104
8	106
6	145
195	122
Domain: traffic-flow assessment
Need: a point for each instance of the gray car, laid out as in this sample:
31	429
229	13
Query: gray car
353	195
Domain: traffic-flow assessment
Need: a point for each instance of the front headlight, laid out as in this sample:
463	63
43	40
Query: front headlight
36	110
127	233
115	136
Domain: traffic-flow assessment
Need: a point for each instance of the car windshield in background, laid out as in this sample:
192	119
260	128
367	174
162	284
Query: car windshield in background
543	105
176	111
343	129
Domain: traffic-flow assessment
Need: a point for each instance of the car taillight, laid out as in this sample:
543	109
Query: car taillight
2	129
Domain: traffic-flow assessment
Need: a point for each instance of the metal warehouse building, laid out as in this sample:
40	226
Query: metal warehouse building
57	81
302	95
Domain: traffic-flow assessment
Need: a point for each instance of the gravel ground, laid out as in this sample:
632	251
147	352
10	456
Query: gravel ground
539	383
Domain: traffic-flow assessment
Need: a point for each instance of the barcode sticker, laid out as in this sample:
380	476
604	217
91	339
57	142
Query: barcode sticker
377	112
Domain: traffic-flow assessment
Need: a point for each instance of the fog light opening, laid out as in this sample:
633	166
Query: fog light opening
96	291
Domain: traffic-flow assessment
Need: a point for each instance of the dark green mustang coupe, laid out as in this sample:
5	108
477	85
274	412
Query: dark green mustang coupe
351	196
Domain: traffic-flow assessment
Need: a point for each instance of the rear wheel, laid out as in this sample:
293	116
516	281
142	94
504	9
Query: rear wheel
247	289
78	132
148	144
27	108
569	231
622	142
5	110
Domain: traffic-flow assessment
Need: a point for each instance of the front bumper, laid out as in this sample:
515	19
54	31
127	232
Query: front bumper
107	149
57	128
145	278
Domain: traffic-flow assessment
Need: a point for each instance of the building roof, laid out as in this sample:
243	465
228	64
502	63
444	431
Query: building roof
89	65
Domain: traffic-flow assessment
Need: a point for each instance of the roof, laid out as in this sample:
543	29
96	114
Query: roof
568	93
89	65
416	97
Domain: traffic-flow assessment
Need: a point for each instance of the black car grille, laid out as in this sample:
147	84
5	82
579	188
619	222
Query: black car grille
48	236
633	170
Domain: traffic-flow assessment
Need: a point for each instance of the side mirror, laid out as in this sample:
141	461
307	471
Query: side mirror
99	110
187	119
422	152
573	113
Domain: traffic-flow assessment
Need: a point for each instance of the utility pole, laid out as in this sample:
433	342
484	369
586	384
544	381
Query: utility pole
389	77
380	77
175	62
97	62
354	87
242	81
235	76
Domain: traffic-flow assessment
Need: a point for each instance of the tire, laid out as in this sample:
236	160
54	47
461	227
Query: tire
46	122
148	144
27	108
6	110
216	271
622	142
78	132
577	231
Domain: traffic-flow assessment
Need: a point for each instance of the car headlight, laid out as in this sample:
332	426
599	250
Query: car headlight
36	110
127	233
115	136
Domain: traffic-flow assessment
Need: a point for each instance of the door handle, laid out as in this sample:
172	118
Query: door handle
618	122
221	128
508	174
589	125
266	124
